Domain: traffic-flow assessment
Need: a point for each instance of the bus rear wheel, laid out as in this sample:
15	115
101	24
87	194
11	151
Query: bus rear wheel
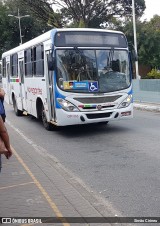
16	110
47	125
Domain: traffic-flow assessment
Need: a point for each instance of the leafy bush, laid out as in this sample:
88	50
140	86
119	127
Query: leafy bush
153	74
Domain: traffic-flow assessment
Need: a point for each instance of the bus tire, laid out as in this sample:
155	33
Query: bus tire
16	110
47	125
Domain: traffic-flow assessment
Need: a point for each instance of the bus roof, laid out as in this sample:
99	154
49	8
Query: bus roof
47	35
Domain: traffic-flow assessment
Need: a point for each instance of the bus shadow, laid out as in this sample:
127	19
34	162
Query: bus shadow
74	131
91	129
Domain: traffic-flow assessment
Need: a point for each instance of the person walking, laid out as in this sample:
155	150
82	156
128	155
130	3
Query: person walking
2	109
5	147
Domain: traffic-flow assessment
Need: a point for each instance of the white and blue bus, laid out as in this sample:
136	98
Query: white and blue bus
70	76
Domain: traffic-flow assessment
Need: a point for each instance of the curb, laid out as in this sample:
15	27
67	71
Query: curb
147	107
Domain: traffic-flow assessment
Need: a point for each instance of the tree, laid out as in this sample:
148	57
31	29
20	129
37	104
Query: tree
5	32
41	10
93	13
9	27
148	40
149	43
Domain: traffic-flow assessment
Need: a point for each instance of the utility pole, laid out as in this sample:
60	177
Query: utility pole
135	38
19	22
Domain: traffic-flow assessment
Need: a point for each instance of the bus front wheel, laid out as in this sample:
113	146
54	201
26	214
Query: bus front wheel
16	110
47	125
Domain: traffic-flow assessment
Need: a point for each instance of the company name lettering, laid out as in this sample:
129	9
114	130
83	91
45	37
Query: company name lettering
34	90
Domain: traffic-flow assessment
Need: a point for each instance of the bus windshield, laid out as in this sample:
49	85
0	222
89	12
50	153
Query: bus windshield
92	70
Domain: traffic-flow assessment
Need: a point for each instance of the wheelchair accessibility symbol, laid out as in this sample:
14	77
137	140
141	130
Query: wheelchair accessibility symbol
93	86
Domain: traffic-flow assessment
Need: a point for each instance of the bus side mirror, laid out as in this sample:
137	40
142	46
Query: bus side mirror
134	55
51	62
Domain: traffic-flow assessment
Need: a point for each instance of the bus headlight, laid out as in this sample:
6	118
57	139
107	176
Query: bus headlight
127	101
66	105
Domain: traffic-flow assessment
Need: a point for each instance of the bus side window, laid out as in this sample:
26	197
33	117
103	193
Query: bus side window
4	68
21	70
14	66
28	54
38	61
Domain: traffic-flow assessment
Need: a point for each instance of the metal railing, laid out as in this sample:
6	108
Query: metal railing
146	90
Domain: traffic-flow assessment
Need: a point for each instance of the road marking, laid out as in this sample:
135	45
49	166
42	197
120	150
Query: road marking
45	194
16	185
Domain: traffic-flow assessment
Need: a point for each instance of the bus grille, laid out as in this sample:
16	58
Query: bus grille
95	108
99	115
97	100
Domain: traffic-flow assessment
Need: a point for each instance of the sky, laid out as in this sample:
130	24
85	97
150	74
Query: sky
152	8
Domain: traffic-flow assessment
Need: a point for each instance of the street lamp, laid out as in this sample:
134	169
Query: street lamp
19	19
135	38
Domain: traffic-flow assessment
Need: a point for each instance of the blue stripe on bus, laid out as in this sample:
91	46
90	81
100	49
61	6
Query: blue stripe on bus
131	93
57	94
53	32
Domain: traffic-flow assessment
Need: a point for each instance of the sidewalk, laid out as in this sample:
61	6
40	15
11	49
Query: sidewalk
147	106
34	184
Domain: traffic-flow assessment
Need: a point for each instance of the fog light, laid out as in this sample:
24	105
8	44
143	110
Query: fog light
127	113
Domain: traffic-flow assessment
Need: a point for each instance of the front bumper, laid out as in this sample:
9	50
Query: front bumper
65	118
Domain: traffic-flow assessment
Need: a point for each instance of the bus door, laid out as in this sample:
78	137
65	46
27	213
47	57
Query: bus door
50	91
21	83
